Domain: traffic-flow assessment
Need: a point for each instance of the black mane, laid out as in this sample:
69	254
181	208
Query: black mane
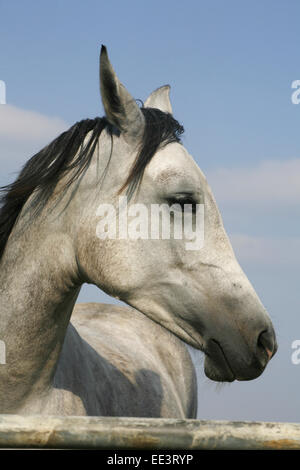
43	171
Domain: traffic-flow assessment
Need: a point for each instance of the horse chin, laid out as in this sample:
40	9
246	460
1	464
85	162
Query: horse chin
216	366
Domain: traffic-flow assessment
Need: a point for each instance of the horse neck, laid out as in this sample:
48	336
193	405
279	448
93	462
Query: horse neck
38	288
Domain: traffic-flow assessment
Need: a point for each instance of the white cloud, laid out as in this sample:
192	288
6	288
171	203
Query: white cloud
263	202
265	251
20	124
270	182
22	134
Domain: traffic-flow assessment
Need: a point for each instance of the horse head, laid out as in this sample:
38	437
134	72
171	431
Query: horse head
201	295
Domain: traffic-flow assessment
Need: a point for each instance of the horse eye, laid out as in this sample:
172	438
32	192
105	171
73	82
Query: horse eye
182	201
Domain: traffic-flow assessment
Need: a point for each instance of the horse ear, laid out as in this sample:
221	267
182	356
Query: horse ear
160	99
121	109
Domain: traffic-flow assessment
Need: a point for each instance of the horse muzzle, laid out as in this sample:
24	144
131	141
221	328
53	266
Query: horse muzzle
225	364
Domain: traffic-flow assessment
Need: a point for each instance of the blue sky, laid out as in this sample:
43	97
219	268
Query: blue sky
230	65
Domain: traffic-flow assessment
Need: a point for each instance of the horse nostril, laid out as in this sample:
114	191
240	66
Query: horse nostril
267	342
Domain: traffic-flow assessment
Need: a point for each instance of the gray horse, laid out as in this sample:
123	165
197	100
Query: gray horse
114	361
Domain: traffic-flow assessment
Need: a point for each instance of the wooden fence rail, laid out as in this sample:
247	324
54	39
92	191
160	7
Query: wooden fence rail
77	432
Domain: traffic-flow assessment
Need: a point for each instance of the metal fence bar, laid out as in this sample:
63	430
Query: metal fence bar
78	432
